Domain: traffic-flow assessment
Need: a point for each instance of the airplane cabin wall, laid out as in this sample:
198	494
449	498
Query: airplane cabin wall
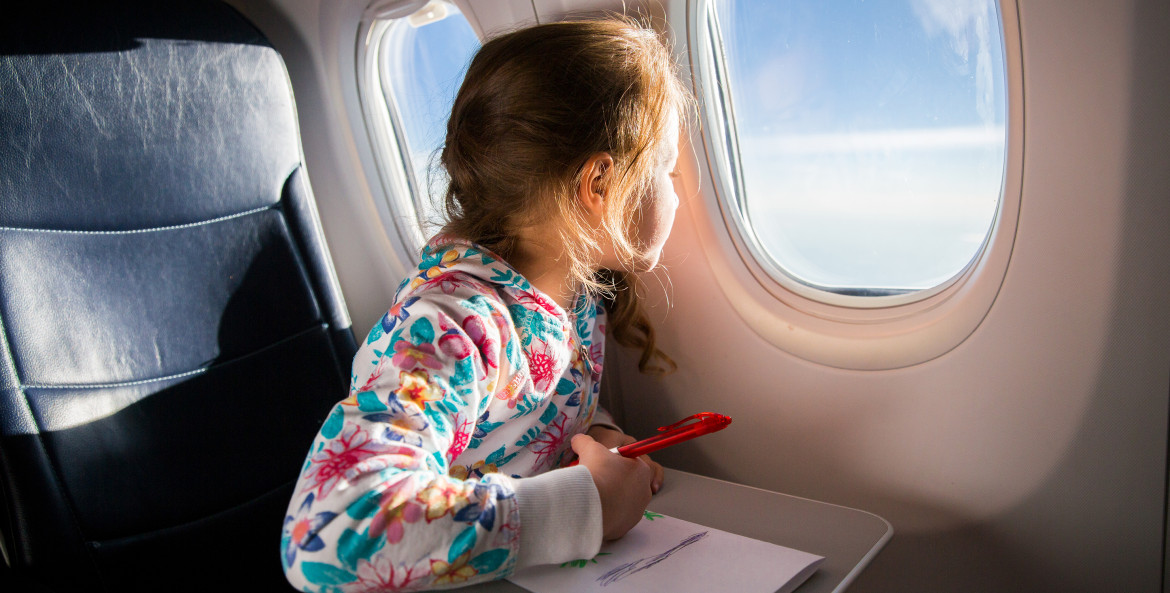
1032	457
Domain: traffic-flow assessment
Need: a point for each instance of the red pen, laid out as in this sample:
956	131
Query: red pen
683	430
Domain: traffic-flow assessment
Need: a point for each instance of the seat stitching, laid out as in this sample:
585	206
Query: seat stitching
137	231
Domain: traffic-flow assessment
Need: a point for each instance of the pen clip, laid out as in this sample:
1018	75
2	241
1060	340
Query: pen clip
700	418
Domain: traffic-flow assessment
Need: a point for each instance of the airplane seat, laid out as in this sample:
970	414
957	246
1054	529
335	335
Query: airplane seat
171	330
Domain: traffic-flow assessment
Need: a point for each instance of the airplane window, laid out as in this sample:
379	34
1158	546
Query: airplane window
422	59
862	143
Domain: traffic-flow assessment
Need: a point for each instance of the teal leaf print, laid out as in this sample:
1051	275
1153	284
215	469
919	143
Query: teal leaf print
478	304
549	414
320	573
422	332
536	324
438	411
285	542
368	402
513	355
508	278
495	455
394	339
364	507
502	276
529	436
489	561
353	546
463	543
583	330
334	423
440	420
464	372
483	427
526	405
375	333
565	386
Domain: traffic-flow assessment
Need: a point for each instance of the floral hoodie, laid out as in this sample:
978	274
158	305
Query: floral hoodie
434	471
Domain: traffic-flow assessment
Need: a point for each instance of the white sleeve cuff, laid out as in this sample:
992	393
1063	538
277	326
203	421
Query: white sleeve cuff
560	516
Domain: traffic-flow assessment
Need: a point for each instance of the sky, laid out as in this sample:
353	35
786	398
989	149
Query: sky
871	133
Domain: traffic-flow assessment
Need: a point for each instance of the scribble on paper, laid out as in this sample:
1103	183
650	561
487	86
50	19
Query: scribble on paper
630	568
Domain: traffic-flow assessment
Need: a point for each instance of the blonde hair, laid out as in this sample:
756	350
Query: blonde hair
535	105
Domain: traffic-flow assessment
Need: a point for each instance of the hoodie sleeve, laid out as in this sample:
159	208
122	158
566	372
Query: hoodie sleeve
374	507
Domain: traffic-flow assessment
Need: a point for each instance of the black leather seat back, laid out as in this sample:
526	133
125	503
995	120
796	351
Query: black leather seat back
172	333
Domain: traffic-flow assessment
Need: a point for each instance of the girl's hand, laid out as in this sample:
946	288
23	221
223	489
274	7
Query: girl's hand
623	485
612	439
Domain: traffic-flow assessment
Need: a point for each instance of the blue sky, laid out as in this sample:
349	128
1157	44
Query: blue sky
871	134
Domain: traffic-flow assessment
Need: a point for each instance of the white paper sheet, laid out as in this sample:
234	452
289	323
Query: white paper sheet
674	556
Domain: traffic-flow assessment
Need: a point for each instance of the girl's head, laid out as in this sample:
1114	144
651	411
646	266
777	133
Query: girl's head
550	115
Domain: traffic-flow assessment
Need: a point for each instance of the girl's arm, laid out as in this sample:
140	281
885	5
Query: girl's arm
375	508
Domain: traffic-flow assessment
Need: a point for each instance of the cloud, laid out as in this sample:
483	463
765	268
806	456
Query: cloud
960	20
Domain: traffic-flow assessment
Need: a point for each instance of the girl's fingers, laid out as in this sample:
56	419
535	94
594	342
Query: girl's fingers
659	474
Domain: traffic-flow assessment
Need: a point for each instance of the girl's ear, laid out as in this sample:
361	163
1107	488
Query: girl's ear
594	179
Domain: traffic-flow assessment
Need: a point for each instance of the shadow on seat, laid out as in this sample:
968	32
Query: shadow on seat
171	329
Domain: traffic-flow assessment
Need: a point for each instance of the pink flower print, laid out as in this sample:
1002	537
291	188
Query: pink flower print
446	324
408	356
349	449
534	299
551	441
488	348
396	508
541	365
381	574
463	428
512	390
455	345
416	387
448	282
441	497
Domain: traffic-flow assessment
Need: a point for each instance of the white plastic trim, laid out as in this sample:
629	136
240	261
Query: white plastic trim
863	333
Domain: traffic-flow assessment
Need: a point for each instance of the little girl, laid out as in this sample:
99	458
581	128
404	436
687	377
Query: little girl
446	463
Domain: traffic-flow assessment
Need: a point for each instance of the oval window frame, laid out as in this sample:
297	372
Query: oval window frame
847	331
400	188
